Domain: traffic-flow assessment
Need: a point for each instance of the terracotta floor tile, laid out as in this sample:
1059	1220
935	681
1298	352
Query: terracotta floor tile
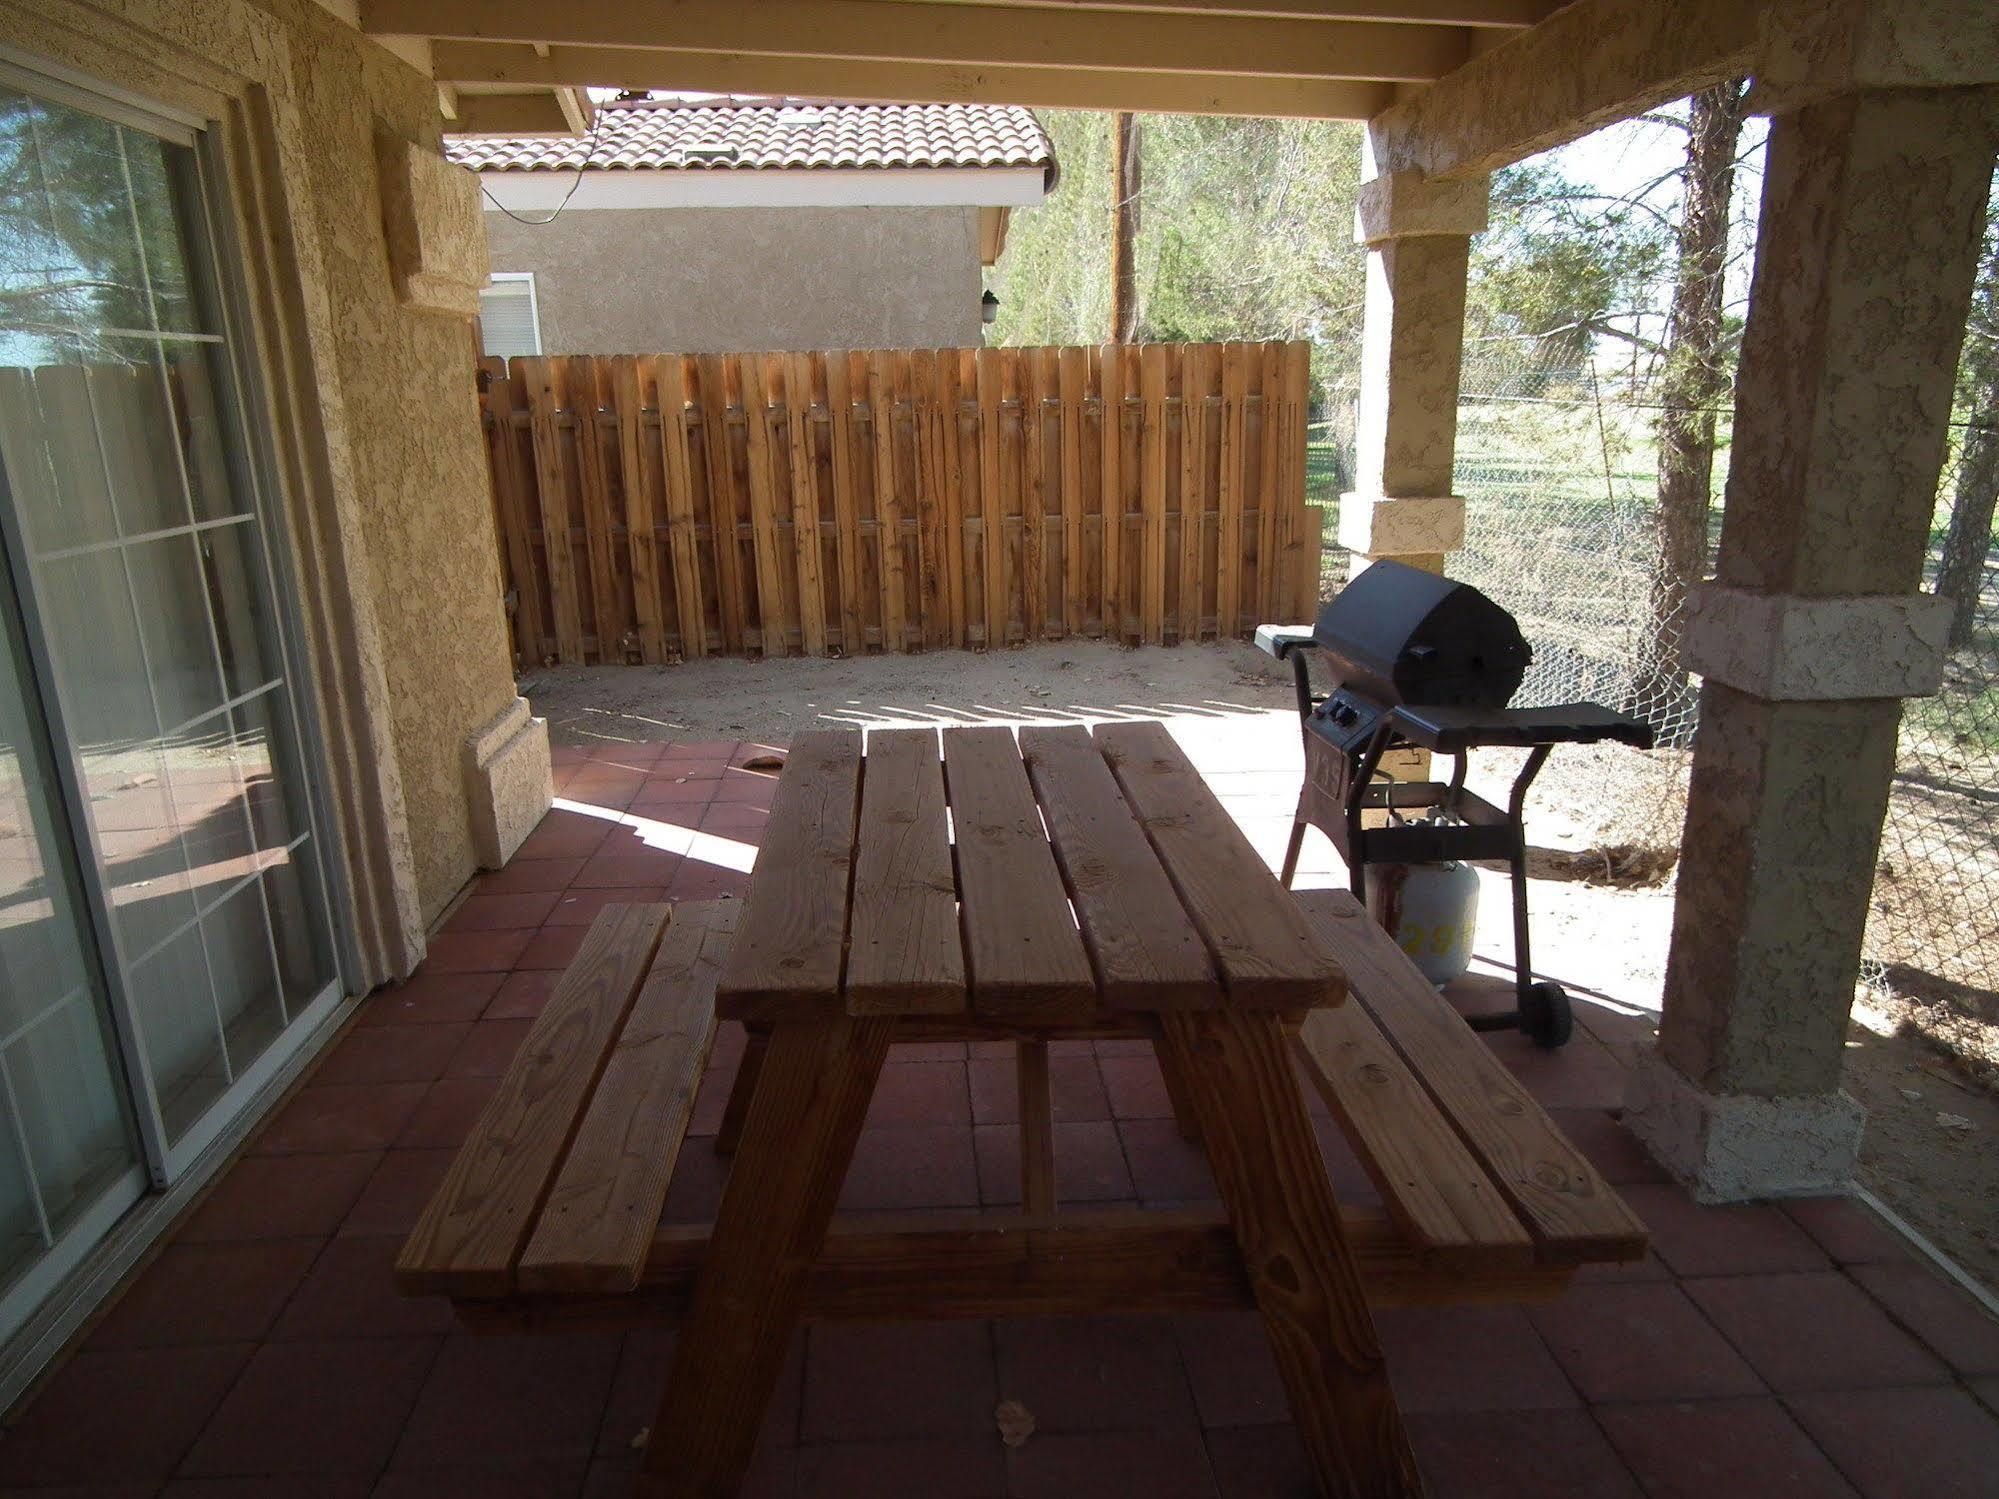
658	793
1640	1342
1231	1369
1094	1373
911	1166
207	1293
538	1478
1898	1444
920	1093
1558	1454
644	1356
927	1051
565	835
1469	1358
580	907
485	911
1814	1332
1089	1164
523	873
1610	1147
391	1054
933	1467
711	1100
1847	1231
1705	1448
1582	1075
769	1477
696	1189
1109	1465
746	790
281	1197
510	1398
1135	1087
1745	1240
699	881
552	947
430	998
627	866
118	1414
867	1381
446	1114
315	1408
522	995
488	1049
742	822
1260	1462
1075	1090
1164	1167
291	1486
396	1192
475	952
1942	1315
341	1116
350	1293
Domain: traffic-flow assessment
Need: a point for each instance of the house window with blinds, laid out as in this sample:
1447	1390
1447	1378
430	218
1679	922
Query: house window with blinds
509	320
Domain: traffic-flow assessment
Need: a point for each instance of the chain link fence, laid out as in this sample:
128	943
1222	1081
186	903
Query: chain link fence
1560	477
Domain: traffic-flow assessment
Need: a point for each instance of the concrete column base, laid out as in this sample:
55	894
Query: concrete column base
508	783
1734	1147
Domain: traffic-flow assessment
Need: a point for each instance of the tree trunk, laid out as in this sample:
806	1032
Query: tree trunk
1126	168
1695	380
1961	576
1961	573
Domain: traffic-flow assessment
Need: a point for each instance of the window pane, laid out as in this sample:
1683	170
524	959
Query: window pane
195	378
298	925
246	985
175	1011
151	164
128	397
173	621
232	565
64	1085
41	294
85	173
48	438
208	807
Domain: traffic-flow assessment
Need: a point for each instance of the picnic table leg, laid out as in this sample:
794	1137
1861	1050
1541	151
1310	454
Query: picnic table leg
810	1100
1236	1069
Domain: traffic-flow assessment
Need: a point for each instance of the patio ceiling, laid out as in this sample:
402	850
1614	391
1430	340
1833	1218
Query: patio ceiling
1336	59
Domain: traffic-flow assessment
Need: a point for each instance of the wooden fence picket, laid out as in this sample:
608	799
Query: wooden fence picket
669	506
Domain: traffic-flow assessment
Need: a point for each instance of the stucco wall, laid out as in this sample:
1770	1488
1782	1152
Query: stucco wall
419	463
643	280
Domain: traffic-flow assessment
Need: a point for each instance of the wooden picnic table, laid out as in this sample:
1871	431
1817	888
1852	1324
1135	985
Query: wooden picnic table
1061	884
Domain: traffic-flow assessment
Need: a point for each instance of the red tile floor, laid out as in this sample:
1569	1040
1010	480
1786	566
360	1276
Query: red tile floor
1794	1350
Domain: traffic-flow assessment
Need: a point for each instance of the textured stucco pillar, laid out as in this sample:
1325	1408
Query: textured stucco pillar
1418	237
508	782
1813	631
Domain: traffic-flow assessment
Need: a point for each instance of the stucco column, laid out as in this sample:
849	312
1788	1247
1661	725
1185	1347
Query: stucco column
1812	631
1418	237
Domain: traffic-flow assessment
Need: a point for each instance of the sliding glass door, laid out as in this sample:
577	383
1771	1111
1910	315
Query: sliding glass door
144	604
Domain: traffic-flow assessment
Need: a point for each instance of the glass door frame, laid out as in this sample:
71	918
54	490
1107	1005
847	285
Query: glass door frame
215	260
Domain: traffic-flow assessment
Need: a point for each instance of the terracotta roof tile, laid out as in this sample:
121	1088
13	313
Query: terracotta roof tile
733	134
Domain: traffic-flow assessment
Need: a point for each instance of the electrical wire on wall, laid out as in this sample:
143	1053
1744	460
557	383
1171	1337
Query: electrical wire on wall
589	149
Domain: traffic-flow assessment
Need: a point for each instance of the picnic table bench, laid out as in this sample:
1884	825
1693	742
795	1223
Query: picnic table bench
1062	885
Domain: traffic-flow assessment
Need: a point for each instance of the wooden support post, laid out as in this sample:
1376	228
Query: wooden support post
1037	1129
1236	1068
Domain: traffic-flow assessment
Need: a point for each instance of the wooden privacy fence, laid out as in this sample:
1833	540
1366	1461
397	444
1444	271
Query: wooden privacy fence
655	506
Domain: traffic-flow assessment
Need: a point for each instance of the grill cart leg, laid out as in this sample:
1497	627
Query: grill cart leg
1540	1009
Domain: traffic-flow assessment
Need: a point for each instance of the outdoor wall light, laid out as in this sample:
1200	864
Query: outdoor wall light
989	308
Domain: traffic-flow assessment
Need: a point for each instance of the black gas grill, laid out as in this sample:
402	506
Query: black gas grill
1422	663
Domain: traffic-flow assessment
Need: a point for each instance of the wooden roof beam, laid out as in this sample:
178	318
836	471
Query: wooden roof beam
890	82
959	35
1501	14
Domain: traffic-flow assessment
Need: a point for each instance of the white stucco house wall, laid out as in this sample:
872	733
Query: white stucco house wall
715	224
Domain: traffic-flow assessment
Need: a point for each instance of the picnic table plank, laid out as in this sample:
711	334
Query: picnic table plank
1145	950
905	956
601	1212
1574	1215
1268	954
472	1231
1429	1180
1021	945
787	956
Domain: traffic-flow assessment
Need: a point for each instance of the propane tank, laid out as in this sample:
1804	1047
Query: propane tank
1431	910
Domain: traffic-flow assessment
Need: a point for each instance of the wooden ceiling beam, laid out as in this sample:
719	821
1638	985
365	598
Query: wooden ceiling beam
958	35
1051	88
1503	14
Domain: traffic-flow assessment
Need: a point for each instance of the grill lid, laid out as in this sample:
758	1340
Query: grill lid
1401	635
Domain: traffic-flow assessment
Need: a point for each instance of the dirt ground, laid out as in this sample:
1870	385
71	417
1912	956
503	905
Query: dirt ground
1933	1120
